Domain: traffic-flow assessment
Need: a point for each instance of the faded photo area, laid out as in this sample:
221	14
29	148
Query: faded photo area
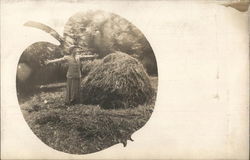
93	90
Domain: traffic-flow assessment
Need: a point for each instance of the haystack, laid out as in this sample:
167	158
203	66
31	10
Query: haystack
118	81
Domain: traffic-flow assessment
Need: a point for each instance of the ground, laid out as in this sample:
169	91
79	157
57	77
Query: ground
80	129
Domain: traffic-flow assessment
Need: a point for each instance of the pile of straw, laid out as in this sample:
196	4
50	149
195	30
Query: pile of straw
118	81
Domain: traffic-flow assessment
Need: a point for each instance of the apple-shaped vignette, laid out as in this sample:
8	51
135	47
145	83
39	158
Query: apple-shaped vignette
81	128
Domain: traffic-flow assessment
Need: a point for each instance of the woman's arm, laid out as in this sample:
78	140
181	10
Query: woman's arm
81	57
55	60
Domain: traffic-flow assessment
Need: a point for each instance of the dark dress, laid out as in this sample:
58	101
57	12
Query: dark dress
73	80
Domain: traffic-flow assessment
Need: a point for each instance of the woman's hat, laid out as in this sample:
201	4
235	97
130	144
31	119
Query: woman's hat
71	48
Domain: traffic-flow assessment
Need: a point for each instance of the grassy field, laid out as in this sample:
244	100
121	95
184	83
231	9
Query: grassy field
81	129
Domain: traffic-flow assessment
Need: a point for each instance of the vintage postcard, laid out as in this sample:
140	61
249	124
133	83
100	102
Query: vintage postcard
110	79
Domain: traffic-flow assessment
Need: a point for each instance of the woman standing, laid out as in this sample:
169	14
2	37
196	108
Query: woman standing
73	75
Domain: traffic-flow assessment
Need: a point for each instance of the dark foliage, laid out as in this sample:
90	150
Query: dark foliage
33	59
104	33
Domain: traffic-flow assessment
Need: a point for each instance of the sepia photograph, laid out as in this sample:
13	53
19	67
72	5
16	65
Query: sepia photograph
93	90
122	79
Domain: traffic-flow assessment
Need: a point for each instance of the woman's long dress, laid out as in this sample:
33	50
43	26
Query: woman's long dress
73	80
